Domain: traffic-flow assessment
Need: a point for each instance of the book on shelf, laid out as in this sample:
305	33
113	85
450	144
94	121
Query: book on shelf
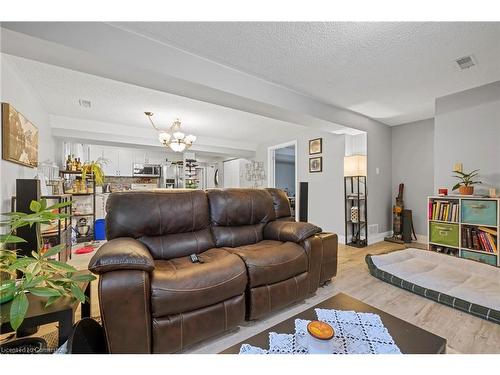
475	238
443	211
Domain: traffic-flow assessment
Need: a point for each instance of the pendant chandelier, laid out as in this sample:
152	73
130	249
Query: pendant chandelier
174	139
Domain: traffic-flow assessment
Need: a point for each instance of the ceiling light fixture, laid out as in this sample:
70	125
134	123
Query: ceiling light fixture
175	139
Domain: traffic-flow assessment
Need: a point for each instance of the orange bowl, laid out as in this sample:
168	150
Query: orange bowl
320	330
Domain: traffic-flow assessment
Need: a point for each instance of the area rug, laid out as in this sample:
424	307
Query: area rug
463	284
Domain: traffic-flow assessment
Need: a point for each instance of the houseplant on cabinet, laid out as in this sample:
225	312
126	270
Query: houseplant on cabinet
467	181
39	274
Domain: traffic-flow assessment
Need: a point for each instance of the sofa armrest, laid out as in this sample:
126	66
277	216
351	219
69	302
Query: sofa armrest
122	254
289	231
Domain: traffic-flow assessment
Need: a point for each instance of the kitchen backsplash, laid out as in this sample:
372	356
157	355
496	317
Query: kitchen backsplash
118	183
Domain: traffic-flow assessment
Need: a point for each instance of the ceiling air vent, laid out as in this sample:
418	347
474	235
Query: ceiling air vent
465	62
84	103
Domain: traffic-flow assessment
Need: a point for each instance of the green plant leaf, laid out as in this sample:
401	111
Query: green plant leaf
59	266
456	186
77	293
10	238
82	278
21	263
45	292
34	268
35	206
51	300
53	251
18	310
43	204
32	283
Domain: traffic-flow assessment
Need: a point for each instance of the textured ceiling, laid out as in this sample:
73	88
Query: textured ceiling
115	102
388	71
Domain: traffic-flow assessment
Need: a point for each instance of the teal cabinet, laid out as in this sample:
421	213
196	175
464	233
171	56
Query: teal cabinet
480	257
481	212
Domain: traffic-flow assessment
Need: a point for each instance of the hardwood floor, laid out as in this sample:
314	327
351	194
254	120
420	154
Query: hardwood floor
465	333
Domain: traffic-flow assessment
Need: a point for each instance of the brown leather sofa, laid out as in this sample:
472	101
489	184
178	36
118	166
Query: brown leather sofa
153	299
329	241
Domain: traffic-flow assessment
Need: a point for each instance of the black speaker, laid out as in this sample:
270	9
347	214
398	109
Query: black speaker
407	227
303	201
27	190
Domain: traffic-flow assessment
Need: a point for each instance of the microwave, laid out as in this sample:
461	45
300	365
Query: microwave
146	170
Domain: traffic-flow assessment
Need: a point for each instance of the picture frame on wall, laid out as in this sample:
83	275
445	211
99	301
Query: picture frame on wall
316	164
19	138
315	146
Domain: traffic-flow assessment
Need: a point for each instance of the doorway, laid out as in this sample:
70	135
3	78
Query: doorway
283	170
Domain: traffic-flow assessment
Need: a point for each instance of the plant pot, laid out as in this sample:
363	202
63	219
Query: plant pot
466	190
7	290
27	345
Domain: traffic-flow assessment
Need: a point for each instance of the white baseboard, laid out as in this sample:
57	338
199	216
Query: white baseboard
372	238
422	238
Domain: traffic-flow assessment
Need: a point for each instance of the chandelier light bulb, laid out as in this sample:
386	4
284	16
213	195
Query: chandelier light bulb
190	139
178	135
164	137
175	139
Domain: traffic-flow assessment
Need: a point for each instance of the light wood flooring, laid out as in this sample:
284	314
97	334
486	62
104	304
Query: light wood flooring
465	333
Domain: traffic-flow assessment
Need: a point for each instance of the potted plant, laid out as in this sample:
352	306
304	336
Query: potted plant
94	168
39	274
467	181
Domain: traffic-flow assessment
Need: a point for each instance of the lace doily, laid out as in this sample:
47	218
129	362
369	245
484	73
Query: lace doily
355	333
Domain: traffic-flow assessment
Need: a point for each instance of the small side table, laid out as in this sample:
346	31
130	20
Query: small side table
62	311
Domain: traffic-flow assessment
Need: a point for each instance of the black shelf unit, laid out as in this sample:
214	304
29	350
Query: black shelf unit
61	235
190	176
72	175
355	195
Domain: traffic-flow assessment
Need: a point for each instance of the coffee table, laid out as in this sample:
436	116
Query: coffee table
409	338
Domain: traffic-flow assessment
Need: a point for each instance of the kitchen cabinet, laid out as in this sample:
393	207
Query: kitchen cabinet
111	168
125	162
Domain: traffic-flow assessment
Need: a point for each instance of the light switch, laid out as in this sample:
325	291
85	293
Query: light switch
377	170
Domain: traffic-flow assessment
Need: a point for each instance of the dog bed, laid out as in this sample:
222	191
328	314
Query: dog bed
463	284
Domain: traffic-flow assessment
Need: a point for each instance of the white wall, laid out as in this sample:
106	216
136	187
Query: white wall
326	195
467	130
413	165
16	91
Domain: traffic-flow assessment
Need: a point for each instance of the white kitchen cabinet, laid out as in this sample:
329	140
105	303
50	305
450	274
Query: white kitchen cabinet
139	156
156	157
112	167
96	152
125	162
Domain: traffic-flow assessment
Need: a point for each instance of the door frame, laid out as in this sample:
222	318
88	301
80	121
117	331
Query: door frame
271	176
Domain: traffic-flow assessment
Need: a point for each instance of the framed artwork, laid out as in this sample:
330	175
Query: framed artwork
316	146
19	138
316	164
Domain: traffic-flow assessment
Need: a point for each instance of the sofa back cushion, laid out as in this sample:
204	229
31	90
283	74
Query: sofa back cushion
238	216
170	223
281	204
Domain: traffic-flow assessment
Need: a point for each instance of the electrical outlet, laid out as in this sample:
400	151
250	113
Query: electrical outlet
373	229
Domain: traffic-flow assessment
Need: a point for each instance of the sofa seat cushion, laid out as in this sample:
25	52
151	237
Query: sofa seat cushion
269	262
178	285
